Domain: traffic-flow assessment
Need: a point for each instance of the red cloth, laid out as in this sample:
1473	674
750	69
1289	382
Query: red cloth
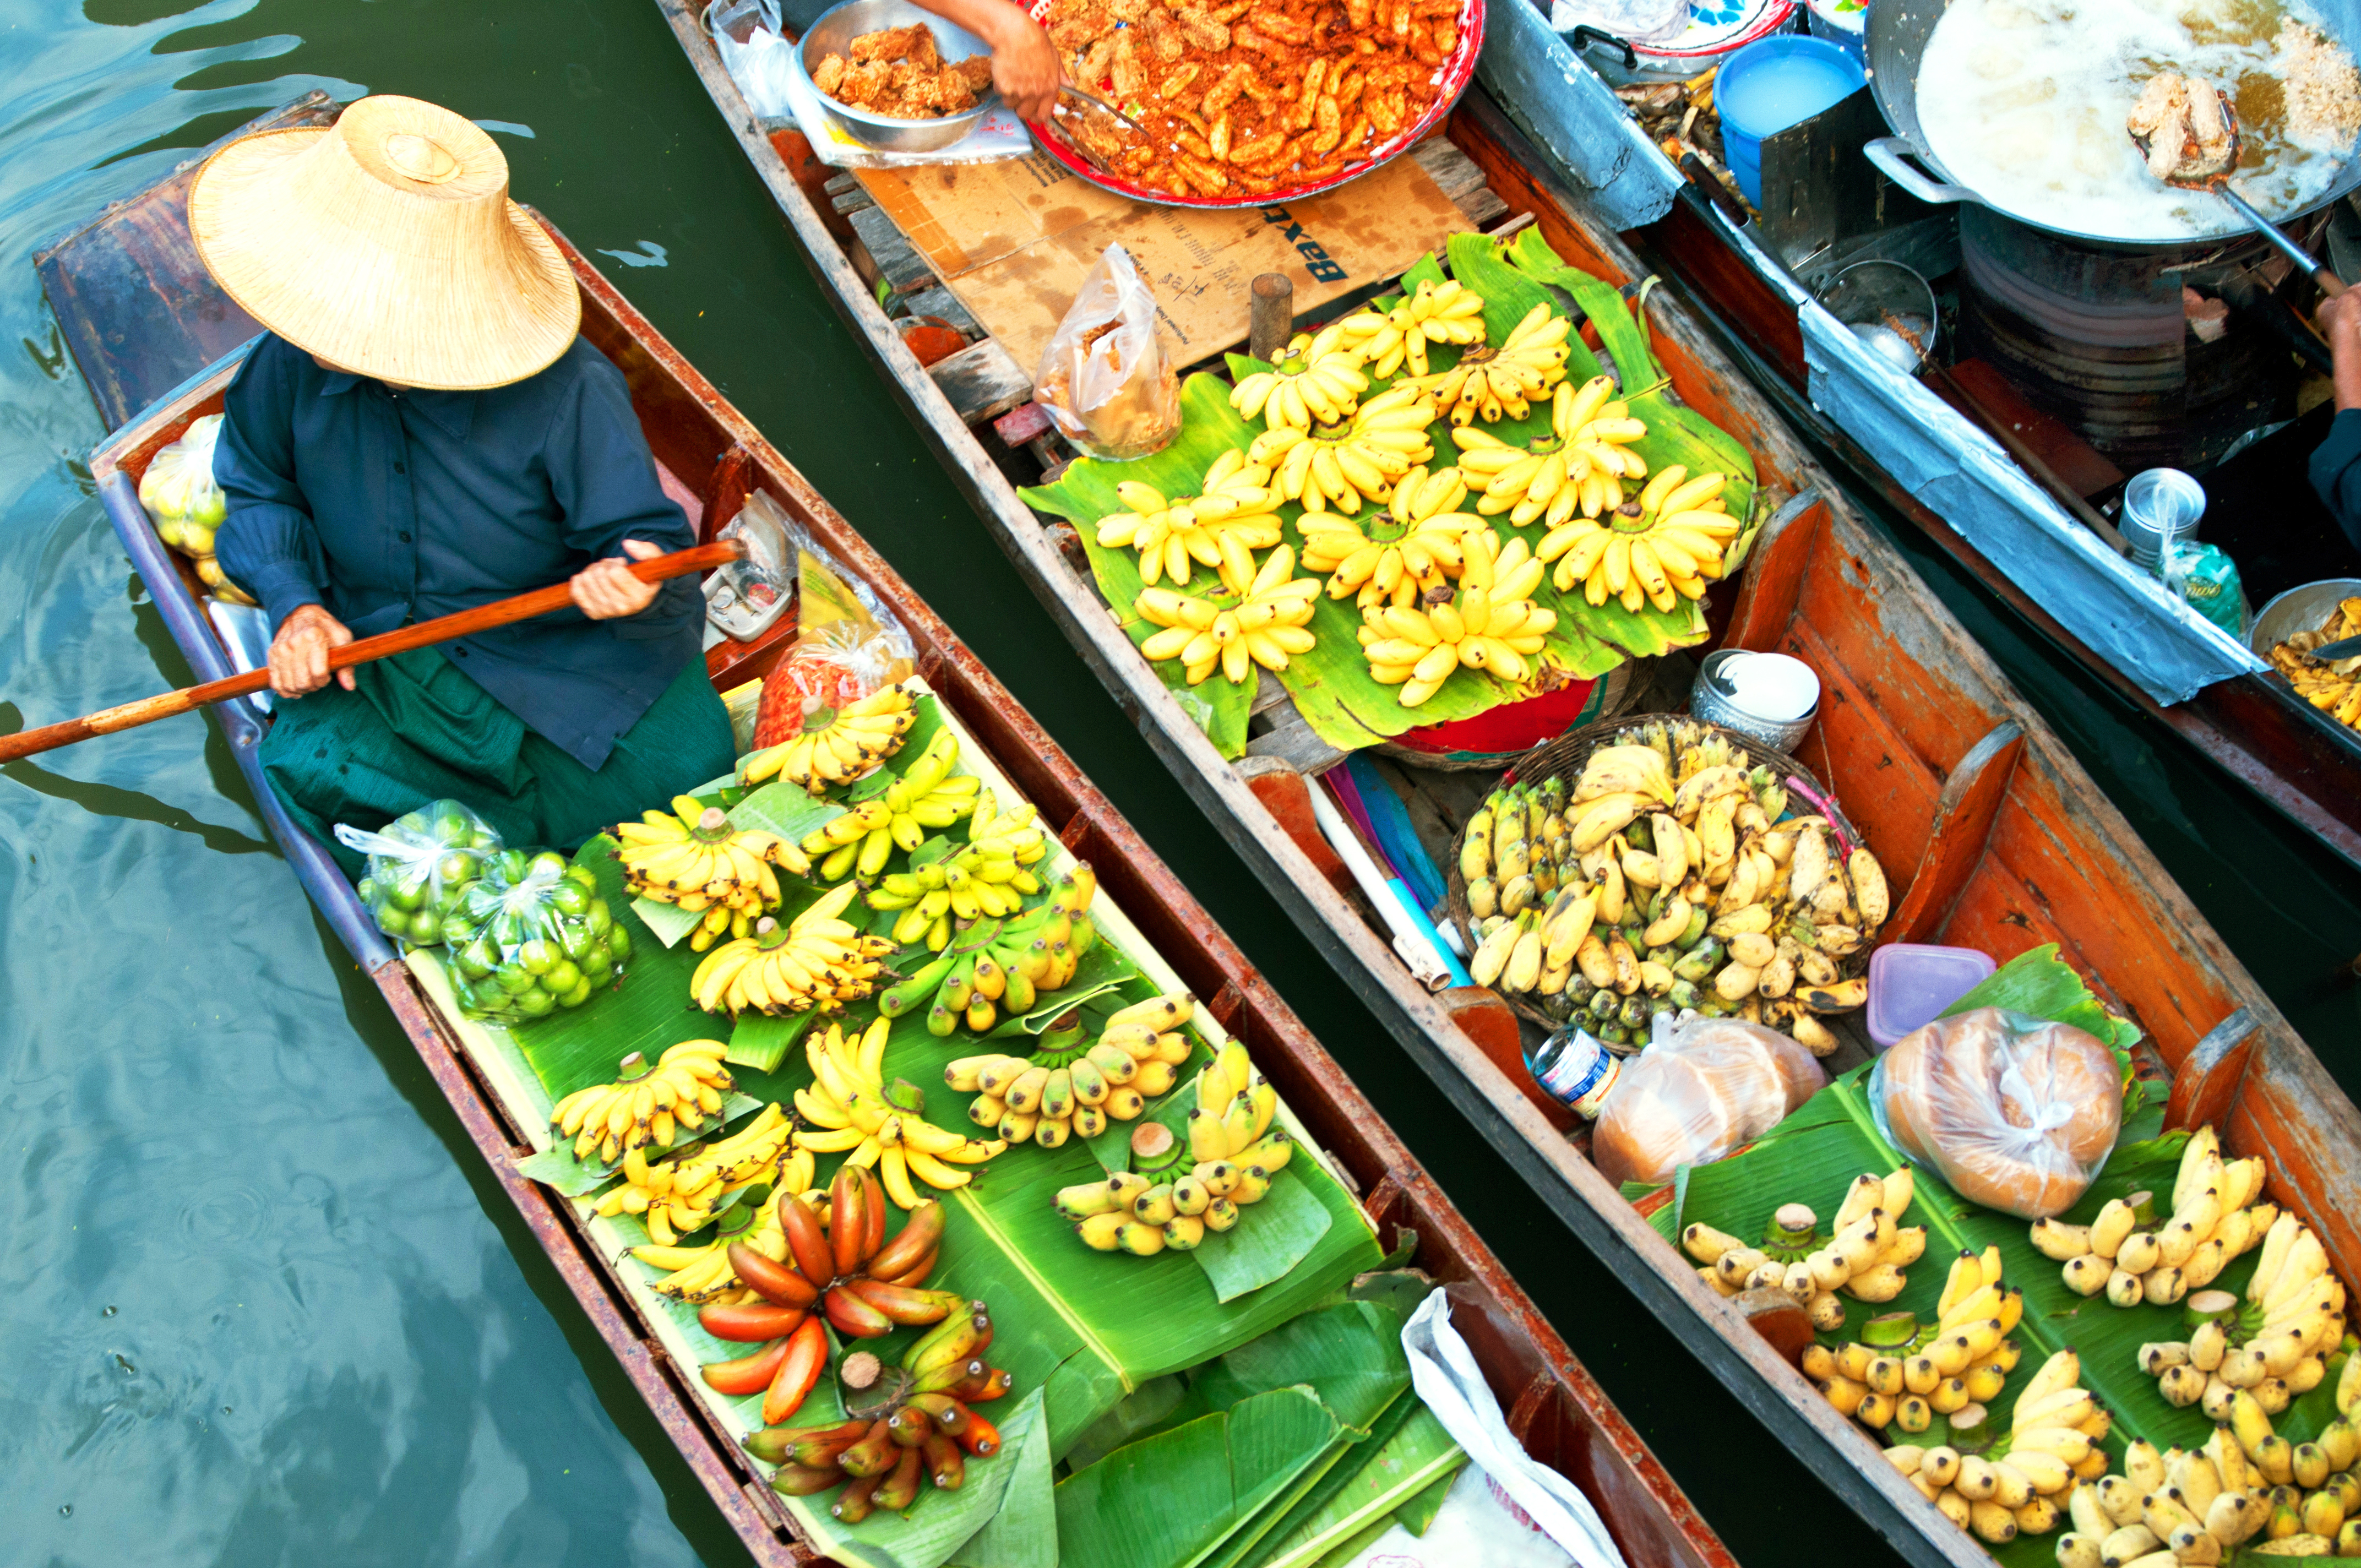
1509	729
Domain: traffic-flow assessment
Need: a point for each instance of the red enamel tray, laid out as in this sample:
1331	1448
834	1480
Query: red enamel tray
1458	70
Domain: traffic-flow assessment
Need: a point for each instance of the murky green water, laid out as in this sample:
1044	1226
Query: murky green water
262	1304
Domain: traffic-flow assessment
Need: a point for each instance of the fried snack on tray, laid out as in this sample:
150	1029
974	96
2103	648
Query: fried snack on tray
2333	688
1253	96
899	73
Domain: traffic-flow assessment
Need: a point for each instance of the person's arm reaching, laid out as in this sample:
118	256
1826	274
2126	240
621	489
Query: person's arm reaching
603	476
268	544
2336	466
1025	64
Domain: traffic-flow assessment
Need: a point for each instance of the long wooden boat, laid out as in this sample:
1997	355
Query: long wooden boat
148	326
2001	839
2012	532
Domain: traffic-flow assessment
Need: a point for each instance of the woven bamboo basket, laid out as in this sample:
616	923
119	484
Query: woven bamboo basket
1565	756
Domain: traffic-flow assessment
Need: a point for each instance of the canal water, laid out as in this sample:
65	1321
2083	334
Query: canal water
262	1304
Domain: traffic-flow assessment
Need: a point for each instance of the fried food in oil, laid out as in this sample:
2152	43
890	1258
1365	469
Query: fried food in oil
1251	96
898	74
2333	688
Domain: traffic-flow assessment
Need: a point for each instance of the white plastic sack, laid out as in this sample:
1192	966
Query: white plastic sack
1634	21
746	34
1478	1524
1442	1372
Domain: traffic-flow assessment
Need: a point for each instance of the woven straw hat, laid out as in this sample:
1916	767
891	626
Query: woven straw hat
386	244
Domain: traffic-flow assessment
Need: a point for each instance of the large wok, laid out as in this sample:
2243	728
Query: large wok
1898	30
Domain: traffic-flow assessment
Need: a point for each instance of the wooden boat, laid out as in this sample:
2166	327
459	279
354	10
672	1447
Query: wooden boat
149	328
2001	839
2250	723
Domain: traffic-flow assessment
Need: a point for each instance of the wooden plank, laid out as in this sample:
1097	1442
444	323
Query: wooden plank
852	202
941	301
982	381
1288	738
135	307
1287	794
2206	1084
897	263
1776	570
1954	843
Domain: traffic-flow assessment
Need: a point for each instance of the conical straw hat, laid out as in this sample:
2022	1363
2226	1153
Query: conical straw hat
386	244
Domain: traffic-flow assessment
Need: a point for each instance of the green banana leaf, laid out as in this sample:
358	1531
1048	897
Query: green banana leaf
1416	1457
1814	1154
1024	1533
1416	1515
1352	1549
1168	1501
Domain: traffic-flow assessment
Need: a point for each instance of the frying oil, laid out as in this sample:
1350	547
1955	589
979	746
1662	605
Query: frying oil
2025	101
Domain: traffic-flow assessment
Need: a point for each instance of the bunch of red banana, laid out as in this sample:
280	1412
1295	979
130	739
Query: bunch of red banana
843	1270
921	1429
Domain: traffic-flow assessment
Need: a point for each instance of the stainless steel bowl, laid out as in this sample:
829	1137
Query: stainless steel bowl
1708	703
833	34
2304	608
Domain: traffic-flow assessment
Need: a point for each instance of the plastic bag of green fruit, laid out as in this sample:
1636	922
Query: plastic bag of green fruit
179	492
420	865
534	938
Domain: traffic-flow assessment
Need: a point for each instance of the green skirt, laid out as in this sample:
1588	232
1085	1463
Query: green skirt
416	729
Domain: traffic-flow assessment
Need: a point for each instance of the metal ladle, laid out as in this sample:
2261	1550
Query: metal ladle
2219	185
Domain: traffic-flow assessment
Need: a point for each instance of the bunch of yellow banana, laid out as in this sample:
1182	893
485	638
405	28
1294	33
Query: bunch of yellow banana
2132	1255
1232	1152
1343	464
1580	466
924	797
2016	1484
1493	383
1863	1254
1315	381
702	1276
1263	627
1235	515
2247	1487
1070	1087
849	1103
1591	421
677	1197
1414	547
1492	623
699	861
816	961
1903	1372
1658	549
1386	341
680	1093
837	744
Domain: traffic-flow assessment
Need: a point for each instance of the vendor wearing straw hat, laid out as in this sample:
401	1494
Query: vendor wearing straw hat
421	431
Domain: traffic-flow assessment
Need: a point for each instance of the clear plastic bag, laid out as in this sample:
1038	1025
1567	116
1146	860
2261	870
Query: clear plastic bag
848	645
421	865
746	36
1706	1089
178	489
2013	1113
1105	378
534	938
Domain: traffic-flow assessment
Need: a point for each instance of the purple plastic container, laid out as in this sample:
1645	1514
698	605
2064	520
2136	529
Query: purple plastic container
1910	983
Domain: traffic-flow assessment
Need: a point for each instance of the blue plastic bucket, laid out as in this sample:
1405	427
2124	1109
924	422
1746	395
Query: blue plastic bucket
1772	85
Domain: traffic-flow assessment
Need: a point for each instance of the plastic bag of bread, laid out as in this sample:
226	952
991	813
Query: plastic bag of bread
2015	1114
1711	1086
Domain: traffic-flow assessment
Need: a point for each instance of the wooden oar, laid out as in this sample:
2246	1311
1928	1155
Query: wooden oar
425	633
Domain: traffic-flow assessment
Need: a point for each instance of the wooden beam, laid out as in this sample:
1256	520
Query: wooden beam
1286	793
1782	557
1964	813
982	381
2205	1085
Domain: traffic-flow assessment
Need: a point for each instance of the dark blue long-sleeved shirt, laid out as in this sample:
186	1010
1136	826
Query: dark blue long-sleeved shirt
2337	472
387	507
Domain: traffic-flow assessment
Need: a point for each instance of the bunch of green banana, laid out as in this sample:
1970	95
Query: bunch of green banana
1504	849
1070	1087
985	878
1231	1153
989	967
898	817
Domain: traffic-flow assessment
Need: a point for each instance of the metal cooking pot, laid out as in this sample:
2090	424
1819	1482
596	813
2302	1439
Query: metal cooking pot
1898	30
833	34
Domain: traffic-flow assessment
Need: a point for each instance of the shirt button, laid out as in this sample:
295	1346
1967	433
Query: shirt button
405	538
399	469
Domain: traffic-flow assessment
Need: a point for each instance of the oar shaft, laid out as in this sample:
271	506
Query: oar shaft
401	640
